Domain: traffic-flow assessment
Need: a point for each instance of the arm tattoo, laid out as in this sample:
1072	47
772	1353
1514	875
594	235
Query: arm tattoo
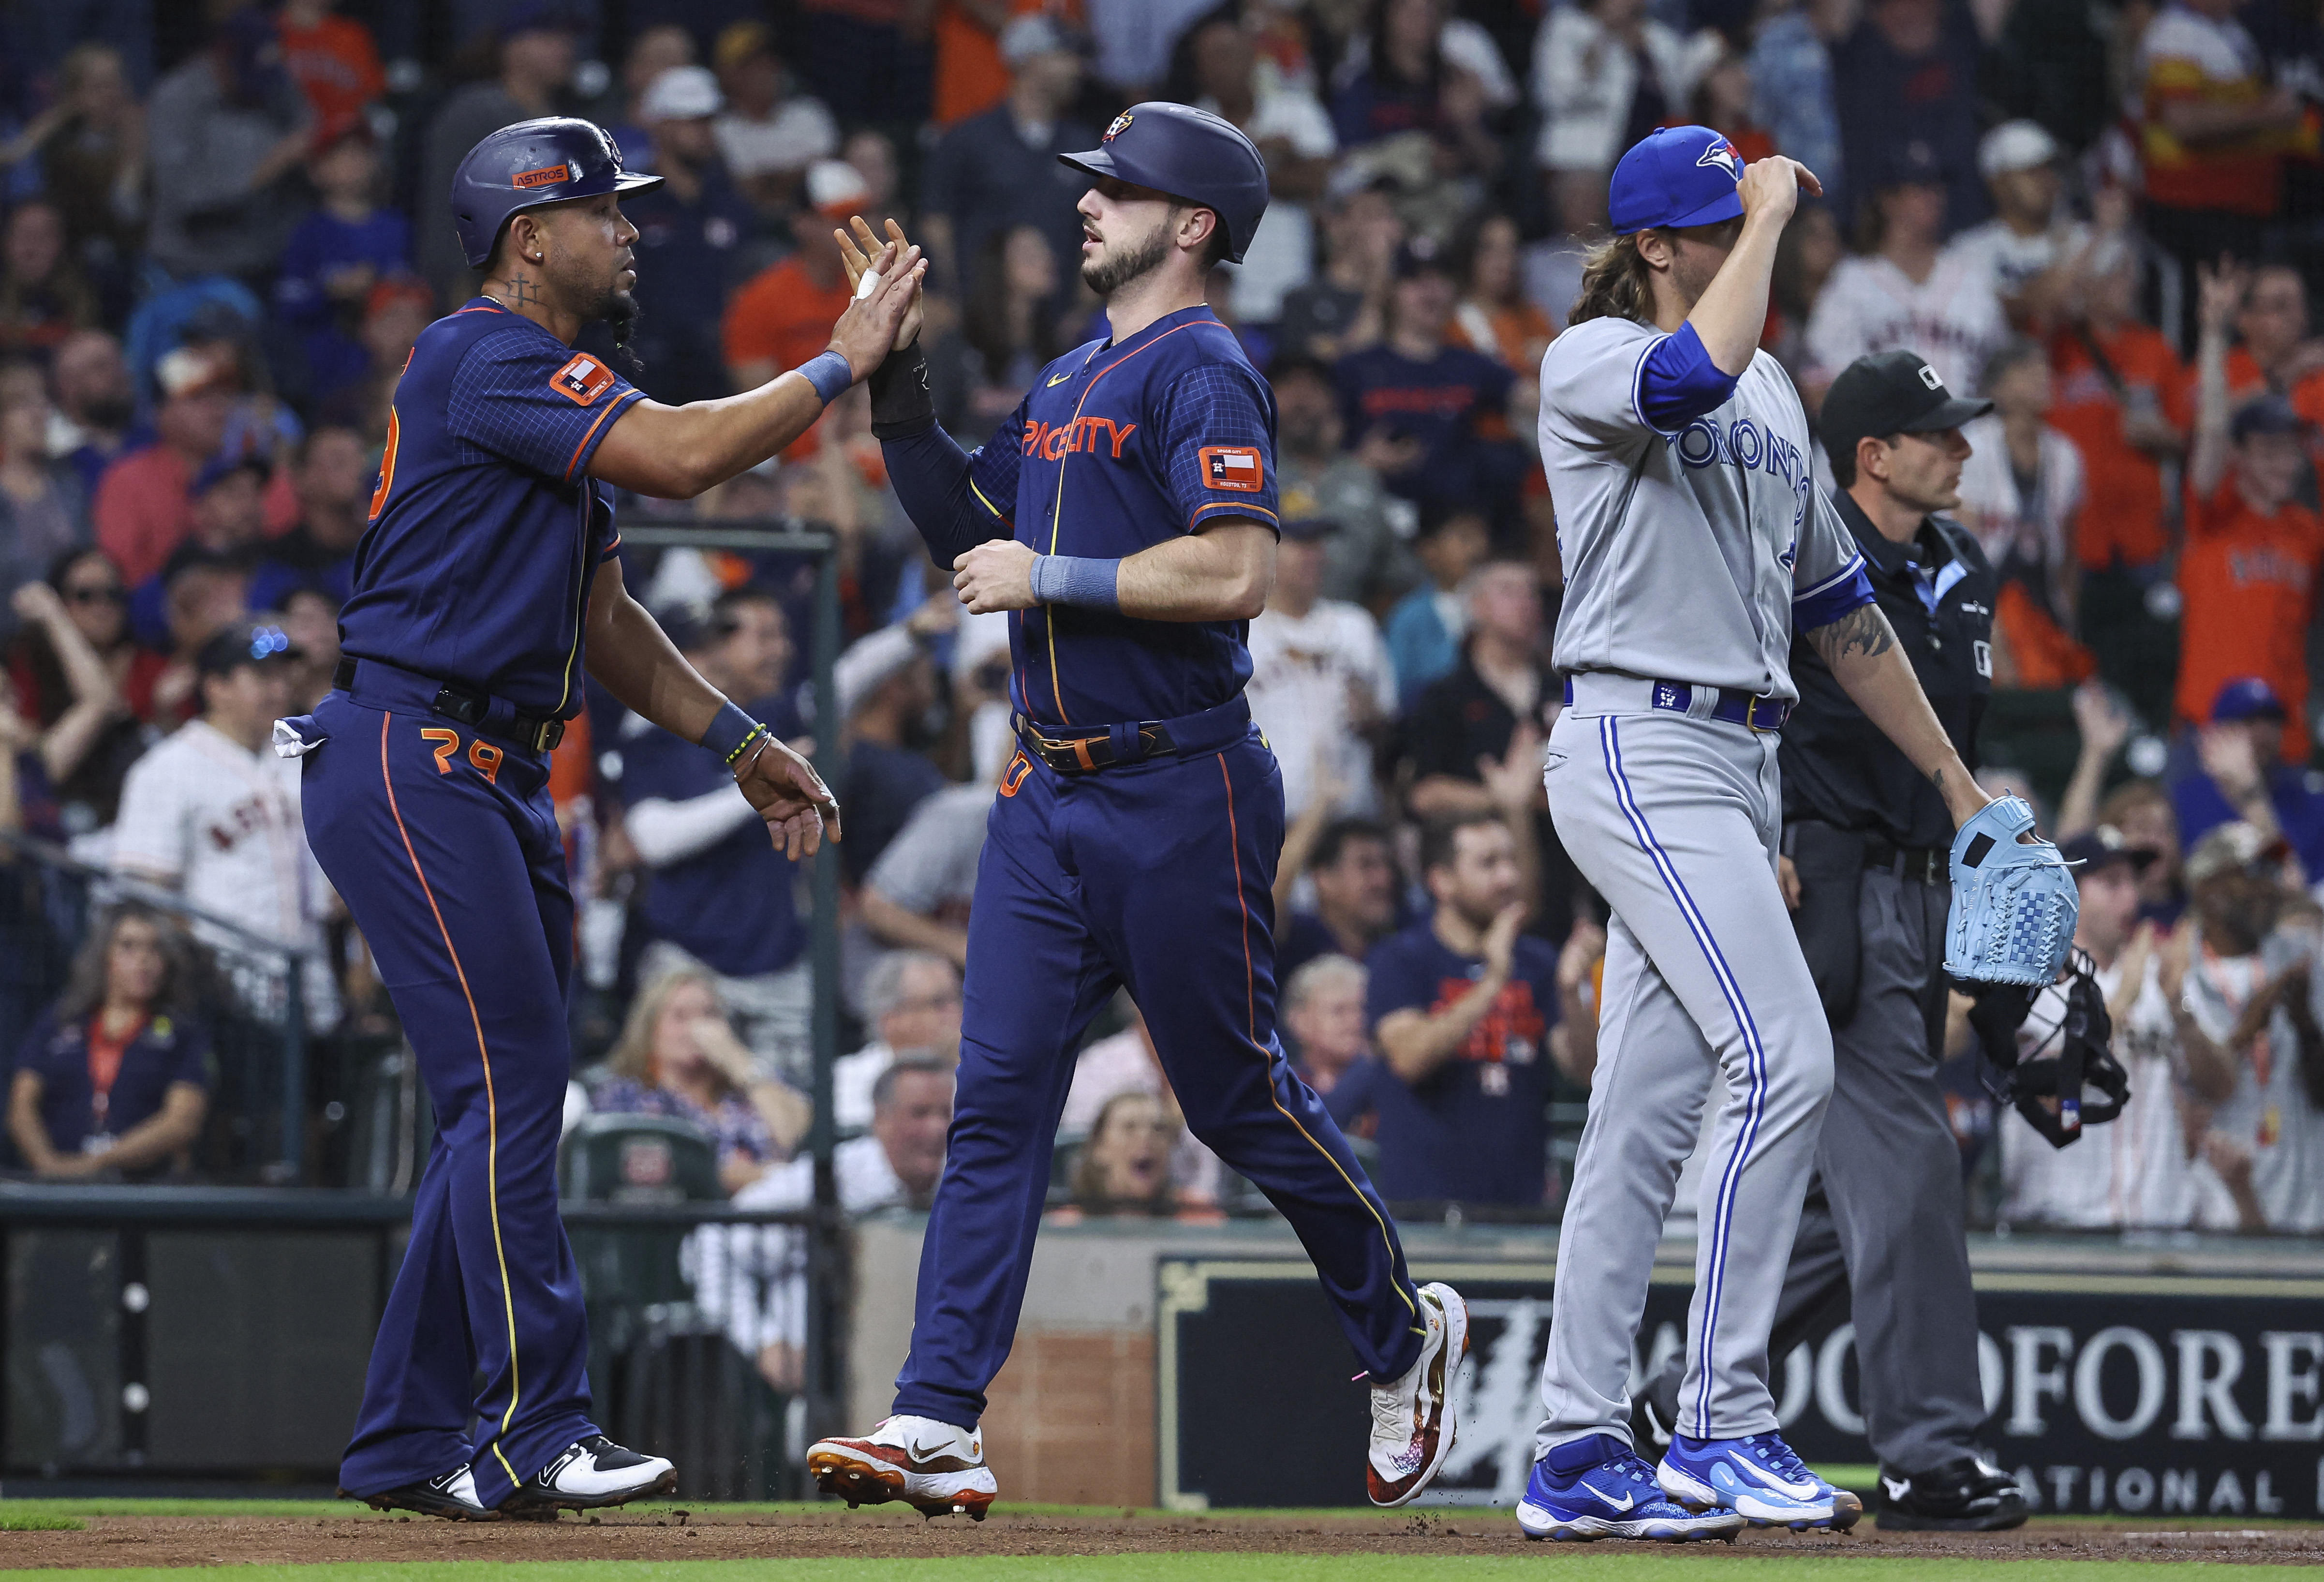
1863	630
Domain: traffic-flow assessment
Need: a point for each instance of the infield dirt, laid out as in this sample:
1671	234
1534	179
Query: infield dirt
872	1535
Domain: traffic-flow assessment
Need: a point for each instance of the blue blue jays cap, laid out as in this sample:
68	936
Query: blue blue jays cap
1192	155
1679	176
2246	698
531	163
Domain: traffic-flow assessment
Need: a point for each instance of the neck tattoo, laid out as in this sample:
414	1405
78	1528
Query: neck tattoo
523	293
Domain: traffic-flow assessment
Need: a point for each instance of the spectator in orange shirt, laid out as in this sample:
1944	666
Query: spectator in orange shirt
142	511
2275	350
334	63
782	317
2249	571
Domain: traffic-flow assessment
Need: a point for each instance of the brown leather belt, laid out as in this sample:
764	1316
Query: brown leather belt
1085	754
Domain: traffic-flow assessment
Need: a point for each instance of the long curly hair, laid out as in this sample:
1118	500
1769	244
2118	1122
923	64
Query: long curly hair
1615	283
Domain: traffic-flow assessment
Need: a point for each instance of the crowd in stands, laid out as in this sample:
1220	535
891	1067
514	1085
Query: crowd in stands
223	227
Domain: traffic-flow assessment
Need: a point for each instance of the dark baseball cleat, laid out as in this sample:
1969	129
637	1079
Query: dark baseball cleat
592	1475
452	1496
1967	1495
935	1468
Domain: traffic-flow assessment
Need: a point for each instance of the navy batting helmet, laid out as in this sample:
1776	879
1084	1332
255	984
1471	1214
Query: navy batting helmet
532	163
1191	155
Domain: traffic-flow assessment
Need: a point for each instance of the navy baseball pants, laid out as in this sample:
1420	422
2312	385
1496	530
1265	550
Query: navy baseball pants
1156	876
444	843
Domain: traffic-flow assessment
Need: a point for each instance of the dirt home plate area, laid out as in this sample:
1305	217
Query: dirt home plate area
342	1541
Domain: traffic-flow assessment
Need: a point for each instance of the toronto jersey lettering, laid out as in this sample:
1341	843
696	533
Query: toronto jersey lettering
1117	449
1690	555
486	532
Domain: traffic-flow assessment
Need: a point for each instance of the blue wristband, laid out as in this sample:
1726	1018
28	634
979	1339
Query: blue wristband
1076	579
730	732
830	375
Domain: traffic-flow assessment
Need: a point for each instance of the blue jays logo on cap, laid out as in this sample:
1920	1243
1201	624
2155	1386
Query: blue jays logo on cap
1679	176
1120	124
1724	155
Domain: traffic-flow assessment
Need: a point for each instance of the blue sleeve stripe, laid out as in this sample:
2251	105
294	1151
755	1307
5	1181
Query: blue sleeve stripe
1855	564
1821	610
1637	390
1677	382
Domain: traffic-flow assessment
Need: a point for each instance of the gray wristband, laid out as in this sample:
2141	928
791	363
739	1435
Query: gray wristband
1077	580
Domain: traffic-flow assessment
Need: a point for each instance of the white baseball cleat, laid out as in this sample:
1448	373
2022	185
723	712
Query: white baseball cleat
1413	1419
591	1474
932	1467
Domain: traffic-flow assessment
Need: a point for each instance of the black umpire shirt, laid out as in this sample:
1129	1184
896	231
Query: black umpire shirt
1838	768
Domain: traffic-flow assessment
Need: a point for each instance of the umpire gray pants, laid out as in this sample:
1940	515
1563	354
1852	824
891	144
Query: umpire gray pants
1883	1234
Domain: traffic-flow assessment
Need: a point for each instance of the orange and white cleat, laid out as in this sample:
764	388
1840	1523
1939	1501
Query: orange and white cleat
1414	1420
934	1468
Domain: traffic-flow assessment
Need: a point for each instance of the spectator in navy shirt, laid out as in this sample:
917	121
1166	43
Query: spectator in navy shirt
689	231
1451	403
2238	773
1407	85
338	252
332	477
1353	869
114	1080
719	895
999	170
1461	1009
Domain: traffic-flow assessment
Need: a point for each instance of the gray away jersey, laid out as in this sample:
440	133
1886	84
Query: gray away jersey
1685	551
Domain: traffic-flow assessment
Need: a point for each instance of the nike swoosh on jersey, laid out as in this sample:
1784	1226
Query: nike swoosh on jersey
1061	378
1624	1504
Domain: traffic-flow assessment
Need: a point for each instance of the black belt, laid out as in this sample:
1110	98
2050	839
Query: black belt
1083	751
473	707
1923	865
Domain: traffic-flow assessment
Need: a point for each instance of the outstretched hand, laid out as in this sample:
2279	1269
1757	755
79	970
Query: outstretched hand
857	253
791	796
868	331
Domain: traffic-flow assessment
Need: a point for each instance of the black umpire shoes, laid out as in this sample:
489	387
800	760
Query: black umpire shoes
1967	1495
591	1474
452	1496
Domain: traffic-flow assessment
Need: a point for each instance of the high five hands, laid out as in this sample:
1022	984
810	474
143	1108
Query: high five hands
889	315
863	250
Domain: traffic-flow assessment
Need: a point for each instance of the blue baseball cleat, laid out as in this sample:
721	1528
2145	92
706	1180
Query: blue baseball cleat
1598	1488
1759	1478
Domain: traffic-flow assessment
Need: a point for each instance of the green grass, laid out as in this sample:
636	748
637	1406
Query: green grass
1180	1568
39	1522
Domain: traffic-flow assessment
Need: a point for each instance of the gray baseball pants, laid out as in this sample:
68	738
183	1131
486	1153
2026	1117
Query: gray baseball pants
1673	818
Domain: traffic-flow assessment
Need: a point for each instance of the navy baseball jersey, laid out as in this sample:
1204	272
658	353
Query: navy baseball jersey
1117	448
486	532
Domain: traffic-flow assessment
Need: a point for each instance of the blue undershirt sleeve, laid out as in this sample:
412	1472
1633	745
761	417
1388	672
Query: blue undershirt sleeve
941	488
1679	382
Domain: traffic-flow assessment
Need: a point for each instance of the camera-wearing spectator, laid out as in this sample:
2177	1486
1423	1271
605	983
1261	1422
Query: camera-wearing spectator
96	402
2249	568
331	477
49	667
142	510
2134	1170
1605	74
43	510
998	169
115	1079
212	815
1294	135
1461	1009
1432	415
2212	132
1124	1167
678	1056
1351	864
43	298
752	1283
229	130
2250	998
91	150
1367	561
769	132
1321	687
2021	494
2142	810
690	232
781	317
1902	290
911	1000
1323	1012
1008	334
347	245
720	895
2238	773
335	61
1127	1063
1344	307
535	47
1425	629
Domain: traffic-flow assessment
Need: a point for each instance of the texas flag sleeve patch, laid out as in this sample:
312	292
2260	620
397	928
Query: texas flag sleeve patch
1233	466
582	380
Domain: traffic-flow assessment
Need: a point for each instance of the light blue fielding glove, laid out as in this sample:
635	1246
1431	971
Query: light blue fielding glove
2013	905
